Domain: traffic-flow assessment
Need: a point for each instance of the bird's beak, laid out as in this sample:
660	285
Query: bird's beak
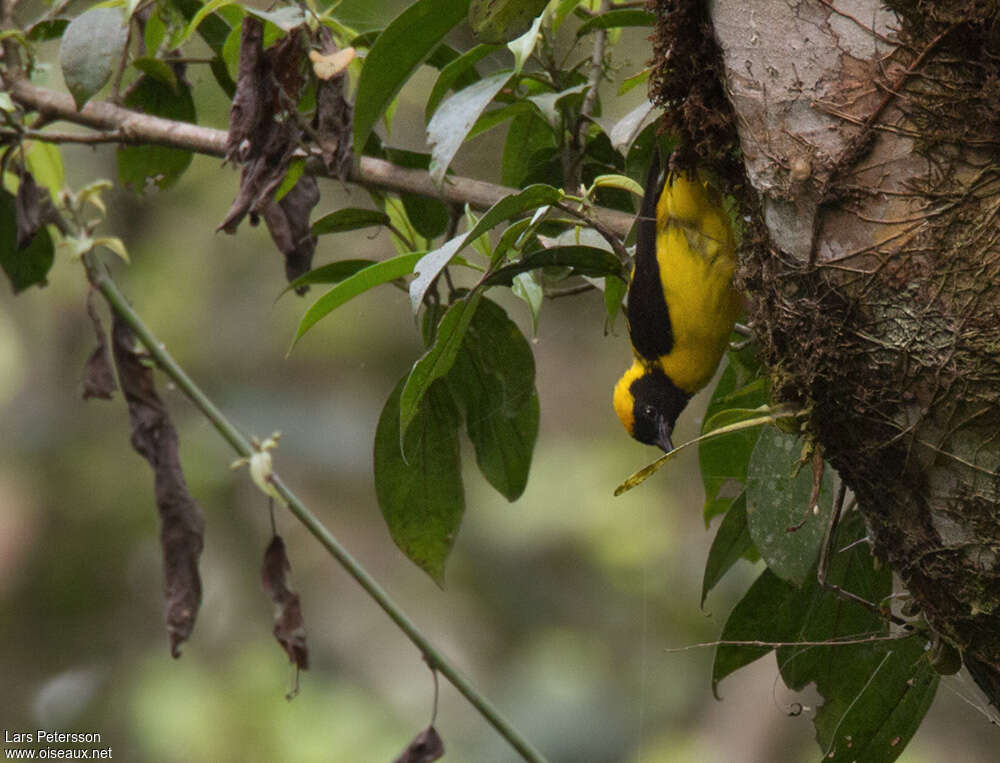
663	437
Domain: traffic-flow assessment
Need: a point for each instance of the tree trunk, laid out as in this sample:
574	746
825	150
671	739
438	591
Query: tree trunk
871	138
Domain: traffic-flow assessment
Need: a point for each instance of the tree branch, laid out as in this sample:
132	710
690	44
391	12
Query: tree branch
133	127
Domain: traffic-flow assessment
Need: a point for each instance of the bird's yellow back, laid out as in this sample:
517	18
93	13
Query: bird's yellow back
696	255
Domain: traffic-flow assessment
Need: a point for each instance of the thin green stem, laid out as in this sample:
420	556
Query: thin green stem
103	282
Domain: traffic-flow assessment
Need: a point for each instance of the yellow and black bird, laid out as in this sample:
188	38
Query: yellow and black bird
681	302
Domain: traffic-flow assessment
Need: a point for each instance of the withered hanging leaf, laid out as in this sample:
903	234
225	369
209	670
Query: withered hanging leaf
426	747
263	132
287	58
244	114
30	214
288	222
289	627
333	122
182	525
99	379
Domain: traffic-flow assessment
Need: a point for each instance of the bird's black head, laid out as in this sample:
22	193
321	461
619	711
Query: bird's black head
656	404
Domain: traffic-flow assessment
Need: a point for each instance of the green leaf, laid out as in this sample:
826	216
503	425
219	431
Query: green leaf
495	117
421	497
438	360
513	236
295	169
137	165
527	137
493	378
455	117
778	501
732	540
91	48
619	18
584	260
16	35
93	194
547	102
522	47
452	72
443	55
620	182
407	239
158	69
183	35
615	289
350	287
286	18
481	244
875	693
498	21
516	204
636	79
628	128
724	459
48	29
113	244
882	715
28	266
530	199
562	10
829	616
504	445
430	267
774	610
771	611
230	52
349	218
428	216
395	55
214	28
46	165
154	33
334	272
222	77
526	287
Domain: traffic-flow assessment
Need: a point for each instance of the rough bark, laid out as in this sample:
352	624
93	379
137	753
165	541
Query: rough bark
872	139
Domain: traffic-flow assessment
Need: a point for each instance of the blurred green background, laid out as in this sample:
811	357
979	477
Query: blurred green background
561	607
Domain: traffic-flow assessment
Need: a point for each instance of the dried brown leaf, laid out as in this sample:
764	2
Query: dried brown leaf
426	747
333	121
30	212
244	115
182	525
289	626
288	222
263	131
288	63
99	379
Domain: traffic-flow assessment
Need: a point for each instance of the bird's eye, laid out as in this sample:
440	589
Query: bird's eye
648	411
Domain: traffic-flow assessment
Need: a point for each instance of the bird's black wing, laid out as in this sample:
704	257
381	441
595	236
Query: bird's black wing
648	316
